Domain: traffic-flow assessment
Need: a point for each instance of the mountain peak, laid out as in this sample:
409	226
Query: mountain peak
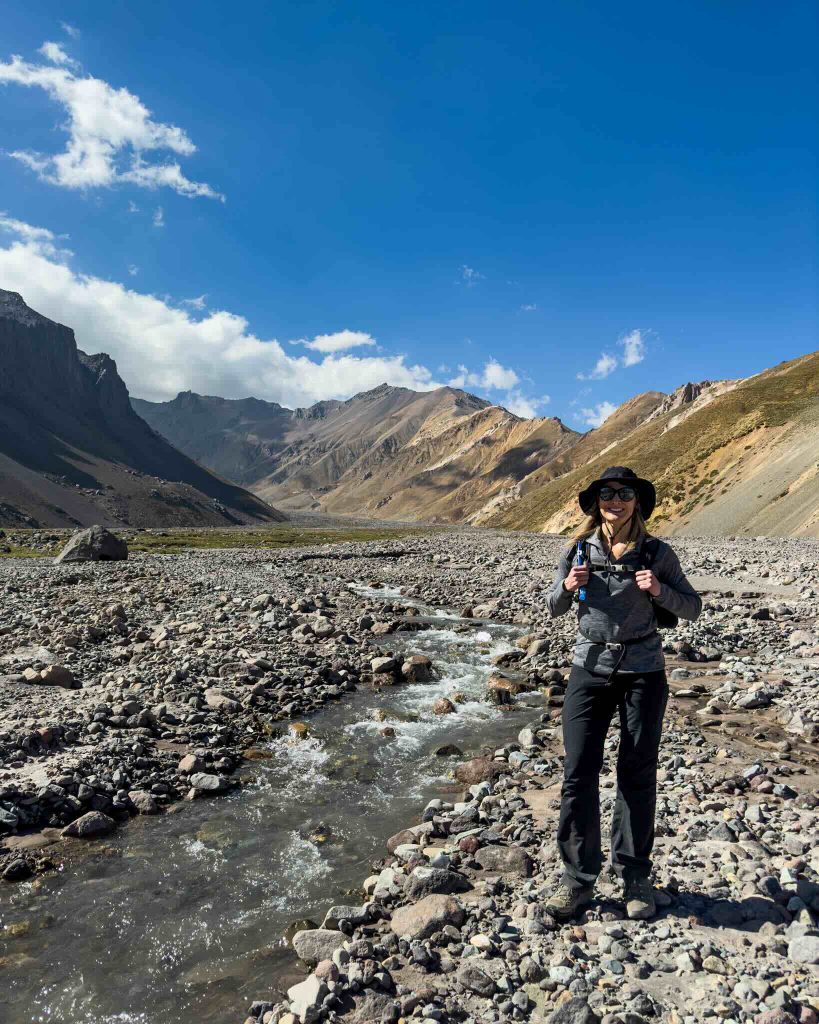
13	307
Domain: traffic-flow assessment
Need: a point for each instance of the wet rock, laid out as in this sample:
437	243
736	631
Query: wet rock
443	706
206	784
17	870
417	669
90	826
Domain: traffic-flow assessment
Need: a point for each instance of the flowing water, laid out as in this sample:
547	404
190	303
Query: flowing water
181	919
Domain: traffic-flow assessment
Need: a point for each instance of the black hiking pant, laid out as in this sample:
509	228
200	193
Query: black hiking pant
588	708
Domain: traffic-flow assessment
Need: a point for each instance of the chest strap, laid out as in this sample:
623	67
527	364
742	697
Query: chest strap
612	567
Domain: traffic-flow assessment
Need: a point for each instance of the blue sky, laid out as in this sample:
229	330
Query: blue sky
504	196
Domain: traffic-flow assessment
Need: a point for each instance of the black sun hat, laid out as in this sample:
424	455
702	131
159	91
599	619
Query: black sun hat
646	494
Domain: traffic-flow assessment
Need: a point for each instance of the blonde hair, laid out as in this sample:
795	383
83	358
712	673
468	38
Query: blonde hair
637	528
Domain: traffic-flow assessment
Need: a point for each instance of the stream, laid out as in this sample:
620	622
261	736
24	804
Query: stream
181	919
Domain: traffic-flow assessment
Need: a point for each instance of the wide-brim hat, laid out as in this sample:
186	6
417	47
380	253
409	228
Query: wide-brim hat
646	494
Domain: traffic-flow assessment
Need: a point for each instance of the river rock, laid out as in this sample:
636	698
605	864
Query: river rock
96	544
417	669
509	860
59	675
220	701
475	980
383	666
804	949
431	914
90	825
143	802
306	998
204	783
316	944
479	769
425	881
443	706
575	1011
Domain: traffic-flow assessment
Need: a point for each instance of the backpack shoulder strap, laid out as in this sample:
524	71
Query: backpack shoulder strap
648	551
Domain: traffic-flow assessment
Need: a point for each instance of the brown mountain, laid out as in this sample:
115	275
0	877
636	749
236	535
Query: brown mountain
390	452
732	456
74	452
727	457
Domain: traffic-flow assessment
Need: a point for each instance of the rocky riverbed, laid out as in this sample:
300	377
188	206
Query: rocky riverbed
128	686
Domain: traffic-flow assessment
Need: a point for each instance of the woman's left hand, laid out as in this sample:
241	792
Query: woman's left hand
646	580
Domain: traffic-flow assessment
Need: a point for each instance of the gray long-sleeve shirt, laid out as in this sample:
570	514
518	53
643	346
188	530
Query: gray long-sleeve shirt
615	609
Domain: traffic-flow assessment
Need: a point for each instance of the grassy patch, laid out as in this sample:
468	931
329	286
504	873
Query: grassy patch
174	541
282	536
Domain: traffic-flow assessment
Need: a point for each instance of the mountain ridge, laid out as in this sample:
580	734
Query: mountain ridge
73	451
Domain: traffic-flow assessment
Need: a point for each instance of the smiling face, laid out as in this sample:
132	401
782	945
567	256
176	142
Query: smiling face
616	512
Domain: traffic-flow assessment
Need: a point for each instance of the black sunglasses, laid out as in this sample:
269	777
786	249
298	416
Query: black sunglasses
623	493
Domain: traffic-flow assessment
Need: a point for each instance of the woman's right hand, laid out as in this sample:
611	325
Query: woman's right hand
578	577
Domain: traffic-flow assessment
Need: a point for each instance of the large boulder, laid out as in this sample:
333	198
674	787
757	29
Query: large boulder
96	544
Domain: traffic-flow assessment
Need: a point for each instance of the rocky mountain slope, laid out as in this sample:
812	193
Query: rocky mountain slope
74	452
390	452
730	456
735	457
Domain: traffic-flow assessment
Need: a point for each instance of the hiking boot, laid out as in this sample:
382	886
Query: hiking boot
639	897
565	902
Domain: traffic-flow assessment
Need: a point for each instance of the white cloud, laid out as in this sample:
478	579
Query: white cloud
525	407
197	303
497	376
470	275
159	217
634	348
337	342
605	365
132	207
73	33
598	415
109	132
57	55
529	307
133	269
492	377
161	350
44	240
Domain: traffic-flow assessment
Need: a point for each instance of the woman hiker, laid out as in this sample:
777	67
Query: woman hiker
618	666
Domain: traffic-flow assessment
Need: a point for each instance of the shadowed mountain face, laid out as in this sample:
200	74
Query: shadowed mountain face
73	451
390	452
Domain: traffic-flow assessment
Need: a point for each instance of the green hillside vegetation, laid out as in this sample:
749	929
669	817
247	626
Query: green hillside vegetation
675	460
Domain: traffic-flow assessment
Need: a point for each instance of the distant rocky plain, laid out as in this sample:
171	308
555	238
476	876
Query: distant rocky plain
126	686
